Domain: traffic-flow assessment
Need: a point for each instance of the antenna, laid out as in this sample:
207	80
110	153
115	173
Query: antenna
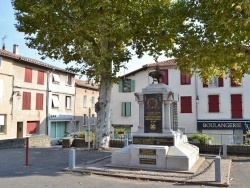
5	36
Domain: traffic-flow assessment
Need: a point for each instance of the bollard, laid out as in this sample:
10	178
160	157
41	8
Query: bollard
224	156
27	151
72	158
218	169
125	142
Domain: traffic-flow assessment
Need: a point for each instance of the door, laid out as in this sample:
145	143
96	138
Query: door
19	130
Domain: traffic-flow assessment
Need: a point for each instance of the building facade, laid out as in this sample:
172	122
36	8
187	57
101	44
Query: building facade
26	96
220	107
86	97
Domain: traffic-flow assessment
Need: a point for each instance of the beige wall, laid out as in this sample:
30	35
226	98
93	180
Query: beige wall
80	110
6	78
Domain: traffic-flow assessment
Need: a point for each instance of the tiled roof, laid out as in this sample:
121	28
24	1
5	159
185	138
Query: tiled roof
30	60
86	84
167	63
170	62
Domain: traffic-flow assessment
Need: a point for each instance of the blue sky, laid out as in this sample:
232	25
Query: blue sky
7	28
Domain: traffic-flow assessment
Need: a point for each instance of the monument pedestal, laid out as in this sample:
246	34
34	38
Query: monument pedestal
157	145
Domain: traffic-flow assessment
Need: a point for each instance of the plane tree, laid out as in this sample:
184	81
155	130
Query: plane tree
96	35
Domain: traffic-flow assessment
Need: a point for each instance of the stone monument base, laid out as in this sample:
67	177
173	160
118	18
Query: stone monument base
180	157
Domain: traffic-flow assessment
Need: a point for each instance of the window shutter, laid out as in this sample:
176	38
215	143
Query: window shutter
165	77
236	105
128	108
123	109
213	103
221	82
132	85
120	86
28	75
39	101
40	78
205	85
26	100
183	79
186	104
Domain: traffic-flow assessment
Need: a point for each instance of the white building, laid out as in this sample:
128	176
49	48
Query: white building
221	108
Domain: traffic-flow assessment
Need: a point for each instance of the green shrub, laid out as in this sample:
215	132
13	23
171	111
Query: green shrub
200	137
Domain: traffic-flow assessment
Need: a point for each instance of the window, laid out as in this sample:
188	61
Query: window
55	101
68	80
185	80
215	82
26	100
1	89
28	75
0	62
213	103
2	122
39	101
93	119
93	102
84	101
126	109
236	105
40	77
164	78
68	102
186	104
127	85
57	129
55	78
121	131
85	119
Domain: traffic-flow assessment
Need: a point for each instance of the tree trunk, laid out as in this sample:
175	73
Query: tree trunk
103	114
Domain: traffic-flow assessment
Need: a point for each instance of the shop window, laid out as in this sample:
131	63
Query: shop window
186	104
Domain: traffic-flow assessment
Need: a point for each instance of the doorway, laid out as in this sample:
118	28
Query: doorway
19	130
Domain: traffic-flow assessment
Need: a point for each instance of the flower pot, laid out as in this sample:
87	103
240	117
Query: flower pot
208	142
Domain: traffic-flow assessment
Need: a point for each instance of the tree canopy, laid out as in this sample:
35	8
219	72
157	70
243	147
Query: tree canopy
207	36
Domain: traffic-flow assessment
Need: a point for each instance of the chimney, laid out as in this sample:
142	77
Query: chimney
15	49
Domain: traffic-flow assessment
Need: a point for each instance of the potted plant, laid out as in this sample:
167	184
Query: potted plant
200	138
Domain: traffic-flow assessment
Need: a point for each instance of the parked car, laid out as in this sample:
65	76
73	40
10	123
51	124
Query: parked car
66	136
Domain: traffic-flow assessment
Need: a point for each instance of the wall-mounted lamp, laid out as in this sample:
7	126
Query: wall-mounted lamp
18	94
197	99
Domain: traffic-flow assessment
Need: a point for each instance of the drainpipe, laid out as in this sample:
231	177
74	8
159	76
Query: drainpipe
196	96
47	104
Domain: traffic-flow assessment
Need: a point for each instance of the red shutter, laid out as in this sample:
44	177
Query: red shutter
183	79
40	77
26	100
236	105
213	103
31	127
165	77
205	85
39	101
221	83
186	104
28	75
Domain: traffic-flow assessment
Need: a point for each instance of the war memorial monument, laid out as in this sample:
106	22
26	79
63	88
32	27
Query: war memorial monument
157	145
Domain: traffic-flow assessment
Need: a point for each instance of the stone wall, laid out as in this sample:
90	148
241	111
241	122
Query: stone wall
211	149
34	141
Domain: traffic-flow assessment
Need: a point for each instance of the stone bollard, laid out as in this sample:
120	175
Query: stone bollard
72	158
224	156
125	142
218	169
